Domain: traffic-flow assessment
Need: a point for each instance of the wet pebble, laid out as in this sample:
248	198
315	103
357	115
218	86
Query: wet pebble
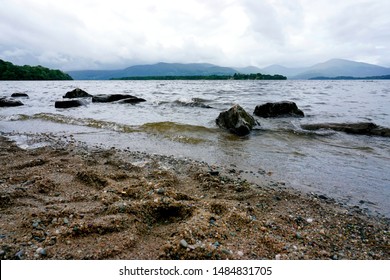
42	252
19	255
183	243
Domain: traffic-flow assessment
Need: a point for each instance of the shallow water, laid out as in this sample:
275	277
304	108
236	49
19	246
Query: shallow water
177	120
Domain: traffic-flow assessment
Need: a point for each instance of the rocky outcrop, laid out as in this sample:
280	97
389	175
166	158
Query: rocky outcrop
278	109
104	98
20	94
77	93
363	128
69	103
9	102
132	100
236	120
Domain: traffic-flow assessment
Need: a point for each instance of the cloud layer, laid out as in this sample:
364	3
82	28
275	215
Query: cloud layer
86	34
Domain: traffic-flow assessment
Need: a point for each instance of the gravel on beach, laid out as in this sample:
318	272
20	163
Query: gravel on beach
68	201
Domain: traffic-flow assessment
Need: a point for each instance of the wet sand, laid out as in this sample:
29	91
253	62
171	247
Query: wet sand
68	201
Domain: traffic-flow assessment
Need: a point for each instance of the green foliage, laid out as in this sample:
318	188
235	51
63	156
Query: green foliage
236	76
8	71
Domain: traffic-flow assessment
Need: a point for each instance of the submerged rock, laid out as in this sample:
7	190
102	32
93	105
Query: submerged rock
363	128
131	100
69	103
20	94
278	109
236	120
104	98
9	102
77	93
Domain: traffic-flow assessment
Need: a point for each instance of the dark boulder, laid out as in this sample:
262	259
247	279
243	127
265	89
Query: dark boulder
236	120
132	100
69	103
20	94
278	109
9	102
363	128
77	93
104	98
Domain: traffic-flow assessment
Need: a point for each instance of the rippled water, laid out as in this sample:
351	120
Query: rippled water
179	119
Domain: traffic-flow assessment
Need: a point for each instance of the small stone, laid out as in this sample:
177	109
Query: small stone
216	244
277	257
19	255
309	220
226	251
42	252
298	235
66	221
240	253
161	191
183	243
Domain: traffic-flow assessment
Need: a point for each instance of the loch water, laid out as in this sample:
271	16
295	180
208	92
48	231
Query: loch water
178	119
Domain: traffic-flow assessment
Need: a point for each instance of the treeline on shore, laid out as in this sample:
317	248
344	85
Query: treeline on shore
384	77
236	76
11	72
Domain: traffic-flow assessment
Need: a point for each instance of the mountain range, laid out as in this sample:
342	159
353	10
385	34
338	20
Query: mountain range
330	68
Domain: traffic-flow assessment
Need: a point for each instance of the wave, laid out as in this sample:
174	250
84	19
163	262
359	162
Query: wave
177	132
194	102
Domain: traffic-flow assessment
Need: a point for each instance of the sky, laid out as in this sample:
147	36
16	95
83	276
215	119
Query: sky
114	34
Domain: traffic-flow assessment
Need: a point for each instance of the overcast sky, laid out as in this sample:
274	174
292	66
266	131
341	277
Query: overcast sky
95	34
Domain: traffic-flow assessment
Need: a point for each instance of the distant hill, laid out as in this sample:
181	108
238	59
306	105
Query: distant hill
9	71
278	69
159	69
340	67
330	68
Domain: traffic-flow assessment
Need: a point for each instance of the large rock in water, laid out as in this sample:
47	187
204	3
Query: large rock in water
20	94
111	97
278	109
77	93
236	120
363	128
9	102
69	103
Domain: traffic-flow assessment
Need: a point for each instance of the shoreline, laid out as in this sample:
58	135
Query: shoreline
68	201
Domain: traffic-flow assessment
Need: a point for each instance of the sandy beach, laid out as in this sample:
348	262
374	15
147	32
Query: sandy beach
68	201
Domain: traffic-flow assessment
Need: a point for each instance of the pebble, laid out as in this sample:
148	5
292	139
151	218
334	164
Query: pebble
240	253
161	191
19	255
183	243
42	252
277	257
309	220
66	221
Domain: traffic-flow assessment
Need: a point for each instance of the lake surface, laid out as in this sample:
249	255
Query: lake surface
176	120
